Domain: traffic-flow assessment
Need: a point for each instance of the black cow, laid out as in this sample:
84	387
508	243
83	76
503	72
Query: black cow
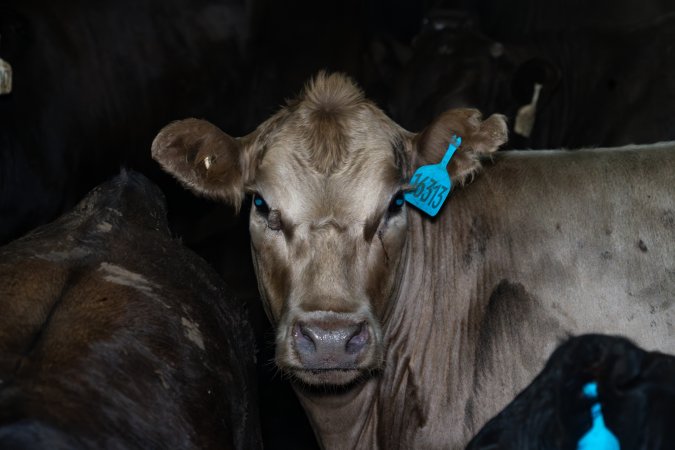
520	19
598	88
113	335
636	392
94	81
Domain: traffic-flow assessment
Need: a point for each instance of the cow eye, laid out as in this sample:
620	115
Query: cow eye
260	204
396	203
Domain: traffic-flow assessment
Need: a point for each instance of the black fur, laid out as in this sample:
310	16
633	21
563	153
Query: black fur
636	391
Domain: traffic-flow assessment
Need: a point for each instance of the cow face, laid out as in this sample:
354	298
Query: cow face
328	221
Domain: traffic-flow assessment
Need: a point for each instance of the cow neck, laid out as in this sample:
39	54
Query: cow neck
342	420
429	338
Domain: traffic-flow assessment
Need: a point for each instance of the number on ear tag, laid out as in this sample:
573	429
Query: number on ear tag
5	77
431	183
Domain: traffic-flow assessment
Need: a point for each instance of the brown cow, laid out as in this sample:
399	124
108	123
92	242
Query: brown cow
113	335
402	331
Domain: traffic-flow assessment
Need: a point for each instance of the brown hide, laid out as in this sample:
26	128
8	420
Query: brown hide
113	335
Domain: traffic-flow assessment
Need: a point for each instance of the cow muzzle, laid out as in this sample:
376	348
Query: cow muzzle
332	348
329	345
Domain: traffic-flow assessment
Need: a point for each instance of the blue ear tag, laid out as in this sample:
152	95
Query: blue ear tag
599	437
432	183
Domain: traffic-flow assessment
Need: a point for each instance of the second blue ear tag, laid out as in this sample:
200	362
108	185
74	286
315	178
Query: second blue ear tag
431	184
599	437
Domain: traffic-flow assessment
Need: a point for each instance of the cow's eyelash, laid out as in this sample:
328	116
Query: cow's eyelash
407	188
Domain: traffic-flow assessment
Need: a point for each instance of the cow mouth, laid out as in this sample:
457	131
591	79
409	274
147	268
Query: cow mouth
328	377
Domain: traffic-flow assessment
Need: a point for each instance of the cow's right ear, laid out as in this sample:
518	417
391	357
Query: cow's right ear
204	158
480	138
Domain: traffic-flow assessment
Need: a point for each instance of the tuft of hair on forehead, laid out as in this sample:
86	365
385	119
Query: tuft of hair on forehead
326	111
333	92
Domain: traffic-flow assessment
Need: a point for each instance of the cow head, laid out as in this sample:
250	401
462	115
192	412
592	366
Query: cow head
328	221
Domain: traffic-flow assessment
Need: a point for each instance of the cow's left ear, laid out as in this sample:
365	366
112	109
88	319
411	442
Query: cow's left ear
479	138
205	159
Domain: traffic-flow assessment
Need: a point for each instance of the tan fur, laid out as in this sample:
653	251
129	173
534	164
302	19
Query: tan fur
329	165
463	309
434	140
329	104
202	157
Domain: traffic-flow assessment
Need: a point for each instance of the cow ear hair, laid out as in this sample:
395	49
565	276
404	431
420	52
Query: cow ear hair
204	159
479	138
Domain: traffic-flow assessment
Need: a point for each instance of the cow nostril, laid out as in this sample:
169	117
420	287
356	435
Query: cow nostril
358	340
303	339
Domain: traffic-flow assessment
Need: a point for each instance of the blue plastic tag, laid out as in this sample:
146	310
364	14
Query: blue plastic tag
599	437
431	183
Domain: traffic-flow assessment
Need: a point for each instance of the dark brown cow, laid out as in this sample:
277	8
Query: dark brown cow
113	335
402	331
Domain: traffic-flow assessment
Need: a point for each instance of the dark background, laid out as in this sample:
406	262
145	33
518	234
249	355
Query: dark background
94	81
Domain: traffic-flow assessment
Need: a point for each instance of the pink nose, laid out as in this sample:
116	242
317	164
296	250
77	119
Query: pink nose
330	345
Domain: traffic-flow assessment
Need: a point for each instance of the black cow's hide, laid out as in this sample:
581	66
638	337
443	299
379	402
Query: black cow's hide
599	87
636	391
94	81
